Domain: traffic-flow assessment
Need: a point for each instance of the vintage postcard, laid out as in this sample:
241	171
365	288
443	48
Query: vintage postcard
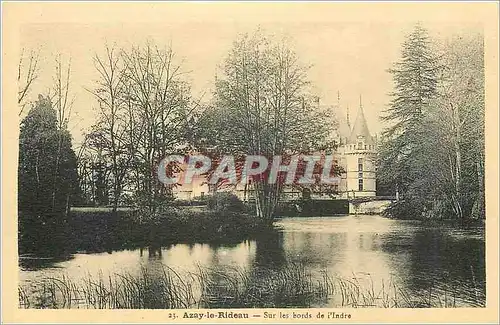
250	162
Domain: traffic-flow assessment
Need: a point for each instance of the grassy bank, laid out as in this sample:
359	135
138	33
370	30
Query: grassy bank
101	230
222	219
290	286
440	213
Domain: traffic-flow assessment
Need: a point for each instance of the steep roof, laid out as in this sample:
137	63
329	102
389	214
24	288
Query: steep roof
360	128
344	129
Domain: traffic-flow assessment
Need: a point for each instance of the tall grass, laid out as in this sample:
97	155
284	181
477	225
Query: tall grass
290	286
165	290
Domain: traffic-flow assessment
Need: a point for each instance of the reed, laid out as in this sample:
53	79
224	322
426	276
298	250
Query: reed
289	286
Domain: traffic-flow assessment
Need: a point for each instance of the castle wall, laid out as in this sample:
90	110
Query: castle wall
192	190
371	207
356	154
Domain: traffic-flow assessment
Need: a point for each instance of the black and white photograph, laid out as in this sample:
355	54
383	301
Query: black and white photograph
228	163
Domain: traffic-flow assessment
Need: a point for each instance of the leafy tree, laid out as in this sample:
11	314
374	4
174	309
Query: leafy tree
434	152
459	115
415	80
40	142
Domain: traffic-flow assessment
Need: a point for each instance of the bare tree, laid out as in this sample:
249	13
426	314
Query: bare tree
27	74
63	101
145	107
60	93
114	122
158	101
266	108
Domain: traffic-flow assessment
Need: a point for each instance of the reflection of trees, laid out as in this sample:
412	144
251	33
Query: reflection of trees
36	263
434	250
227	287
439	262
269	252
216	290
315	249
162	287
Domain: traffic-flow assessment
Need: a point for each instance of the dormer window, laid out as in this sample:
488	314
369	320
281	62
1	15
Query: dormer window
360	145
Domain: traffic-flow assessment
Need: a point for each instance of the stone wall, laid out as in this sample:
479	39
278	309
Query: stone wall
369	207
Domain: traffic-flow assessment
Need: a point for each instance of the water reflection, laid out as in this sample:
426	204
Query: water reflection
270	251
369	250
446	263
34	263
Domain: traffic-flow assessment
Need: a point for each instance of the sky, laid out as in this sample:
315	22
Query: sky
349	58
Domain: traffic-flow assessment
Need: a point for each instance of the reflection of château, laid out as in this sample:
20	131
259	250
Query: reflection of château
356	154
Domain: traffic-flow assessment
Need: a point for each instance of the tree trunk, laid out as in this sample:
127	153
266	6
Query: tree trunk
265	198
56	172
480	177
458	161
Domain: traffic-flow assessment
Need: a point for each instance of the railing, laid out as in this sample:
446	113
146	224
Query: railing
371	198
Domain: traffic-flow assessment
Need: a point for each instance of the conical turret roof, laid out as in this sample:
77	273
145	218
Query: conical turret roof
344	128
360	128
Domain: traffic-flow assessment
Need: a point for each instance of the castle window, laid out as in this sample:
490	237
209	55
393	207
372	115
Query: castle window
360	160
360	145
360	175
365	146
360	184
360	167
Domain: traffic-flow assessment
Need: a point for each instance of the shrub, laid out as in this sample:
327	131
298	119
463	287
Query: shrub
195	201
403	209
225	201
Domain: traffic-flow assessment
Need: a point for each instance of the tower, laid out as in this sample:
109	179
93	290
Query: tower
359	153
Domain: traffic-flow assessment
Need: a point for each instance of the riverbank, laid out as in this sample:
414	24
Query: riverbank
290	286
422	261
222	218
100	231
451	222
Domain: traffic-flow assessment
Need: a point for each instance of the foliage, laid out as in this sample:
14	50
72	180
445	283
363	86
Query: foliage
415	78
101	229
262	106
225	201
47	176
433	154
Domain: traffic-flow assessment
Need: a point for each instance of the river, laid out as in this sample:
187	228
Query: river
442	262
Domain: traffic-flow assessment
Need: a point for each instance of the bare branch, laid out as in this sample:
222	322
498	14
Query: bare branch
27	75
